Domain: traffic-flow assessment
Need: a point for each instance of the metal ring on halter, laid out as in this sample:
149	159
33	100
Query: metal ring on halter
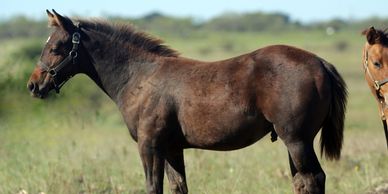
377	85
73	54
76	38
52	72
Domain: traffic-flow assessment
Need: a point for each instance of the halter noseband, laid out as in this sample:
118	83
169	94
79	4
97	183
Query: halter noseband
71	58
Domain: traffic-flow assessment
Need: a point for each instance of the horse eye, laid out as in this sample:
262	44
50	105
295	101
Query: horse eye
377	65
54	51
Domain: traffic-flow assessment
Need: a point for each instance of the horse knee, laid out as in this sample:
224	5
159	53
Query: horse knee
309	183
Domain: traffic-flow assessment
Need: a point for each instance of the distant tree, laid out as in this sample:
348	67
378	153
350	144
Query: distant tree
161	23
21	26
381	23
153	16
257	21
334	24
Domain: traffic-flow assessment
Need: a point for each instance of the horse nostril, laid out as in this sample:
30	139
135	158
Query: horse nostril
31	86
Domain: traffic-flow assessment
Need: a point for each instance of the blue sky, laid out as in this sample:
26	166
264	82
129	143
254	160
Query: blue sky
302	10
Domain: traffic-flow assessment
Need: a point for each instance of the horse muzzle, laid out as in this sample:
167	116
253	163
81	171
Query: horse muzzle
37	90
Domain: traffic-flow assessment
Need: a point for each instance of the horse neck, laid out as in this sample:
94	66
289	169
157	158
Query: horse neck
116	65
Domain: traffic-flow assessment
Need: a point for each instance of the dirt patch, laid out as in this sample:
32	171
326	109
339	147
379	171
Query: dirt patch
380	189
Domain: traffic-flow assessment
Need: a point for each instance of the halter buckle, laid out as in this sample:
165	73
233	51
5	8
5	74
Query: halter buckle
377	85
76	38
382	114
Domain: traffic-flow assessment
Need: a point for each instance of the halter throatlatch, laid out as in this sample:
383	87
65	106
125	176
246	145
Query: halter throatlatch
71	58
377	85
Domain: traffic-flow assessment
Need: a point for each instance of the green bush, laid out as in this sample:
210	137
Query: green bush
30	50
18	63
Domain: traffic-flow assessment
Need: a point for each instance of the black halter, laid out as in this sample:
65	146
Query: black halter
71	58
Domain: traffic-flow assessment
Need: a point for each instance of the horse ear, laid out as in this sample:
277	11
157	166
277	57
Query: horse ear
372	36
51	19
56	20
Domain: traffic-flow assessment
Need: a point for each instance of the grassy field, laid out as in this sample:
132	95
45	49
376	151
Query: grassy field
76	142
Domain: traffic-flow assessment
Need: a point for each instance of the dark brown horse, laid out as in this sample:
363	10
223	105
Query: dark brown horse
375	62
170	103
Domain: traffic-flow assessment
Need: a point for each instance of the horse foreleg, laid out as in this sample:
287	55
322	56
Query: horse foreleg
292	166
308	176
175	170
153	162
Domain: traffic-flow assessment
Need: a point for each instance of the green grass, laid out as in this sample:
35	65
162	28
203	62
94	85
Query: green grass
76	142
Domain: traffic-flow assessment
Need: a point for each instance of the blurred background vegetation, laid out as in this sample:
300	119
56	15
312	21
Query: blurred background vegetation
76	142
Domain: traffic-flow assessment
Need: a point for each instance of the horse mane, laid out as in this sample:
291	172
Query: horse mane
382	34
128	33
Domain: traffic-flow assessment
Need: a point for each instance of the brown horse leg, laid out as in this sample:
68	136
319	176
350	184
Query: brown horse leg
153	163
175	169
308	176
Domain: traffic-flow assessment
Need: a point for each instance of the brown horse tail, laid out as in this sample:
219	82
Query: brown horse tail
333	126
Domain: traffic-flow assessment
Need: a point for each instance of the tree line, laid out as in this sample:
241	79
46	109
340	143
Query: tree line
21	26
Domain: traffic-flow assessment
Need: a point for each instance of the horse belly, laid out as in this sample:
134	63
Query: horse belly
227	134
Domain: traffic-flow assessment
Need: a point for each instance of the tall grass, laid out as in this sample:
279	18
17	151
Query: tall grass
76	142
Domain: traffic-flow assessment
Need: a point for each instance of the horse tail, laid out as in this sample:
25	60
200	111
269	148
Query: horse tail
333	126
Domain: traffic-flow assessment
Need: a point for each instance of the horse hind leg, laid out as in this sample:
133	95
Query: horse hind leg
175	170
308	176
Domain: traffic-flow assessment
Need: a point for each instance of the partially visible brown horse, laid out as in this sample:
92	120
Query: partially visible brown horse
375	62
170	103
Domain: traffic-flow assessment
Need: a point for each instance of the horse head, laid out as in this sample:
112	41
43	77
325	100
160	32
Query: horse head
375	62
60	59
